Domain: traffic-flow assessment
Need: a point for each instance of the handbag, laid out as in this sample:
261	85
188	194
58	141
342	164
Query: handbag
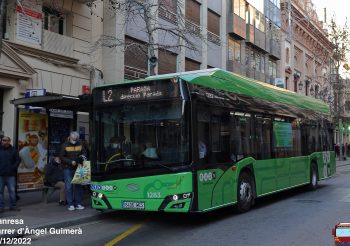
82	174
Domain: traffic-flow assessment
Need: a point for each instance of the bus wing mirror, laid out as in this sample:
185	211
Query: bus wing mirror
333	231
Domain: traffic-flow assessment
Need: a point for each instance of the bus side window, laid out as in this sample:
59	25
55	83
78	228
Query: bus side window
296	138
203	140
240	136
262	137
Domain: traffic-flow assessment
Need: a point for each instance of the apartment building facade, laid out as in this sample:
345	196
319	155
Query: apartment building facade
232	35
305	50
51	45
45	48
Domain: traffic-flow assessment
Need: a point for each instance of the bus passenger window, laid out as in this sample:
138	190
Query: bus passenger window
240	132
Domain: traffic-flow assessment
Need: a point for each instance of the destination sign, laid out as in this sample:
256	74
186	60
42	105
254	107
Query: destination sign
159	89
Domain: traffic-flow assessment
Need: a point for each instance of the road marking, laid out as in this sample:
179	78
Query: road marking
124	235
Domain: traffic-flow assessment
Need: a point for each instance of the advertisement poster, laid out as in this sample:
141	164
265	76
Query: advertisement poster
32	145
282	132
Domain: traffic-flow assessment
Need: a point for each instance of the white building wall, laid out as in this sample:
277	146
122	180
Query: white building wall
11	91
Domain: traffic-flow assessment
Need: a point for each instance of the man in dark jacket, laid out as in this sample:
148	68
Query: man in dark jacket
9	161
72	153
54	177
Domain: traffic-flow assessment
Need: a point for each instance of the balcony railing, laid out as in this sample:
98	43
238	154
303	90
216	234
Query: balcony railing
167	15
212	37
58	44
131	73
194	28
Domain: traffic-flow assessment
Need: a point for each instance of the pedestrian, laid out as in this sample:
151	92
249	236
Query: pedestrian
337	150
54	177
9	161
72	154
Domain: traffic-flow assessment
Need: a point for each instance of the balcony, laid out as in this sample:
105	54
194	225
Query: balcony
132	73
58	44
257	75
274	48
212	37
237	26
167	15
193	28
260	39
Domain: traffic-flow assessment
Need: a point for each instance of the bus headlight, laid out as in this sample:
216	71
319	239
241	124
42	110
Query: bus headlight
100	195
186	195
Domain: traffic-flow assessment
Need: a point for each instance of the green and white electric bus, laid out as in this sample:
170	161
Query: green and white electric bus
202	140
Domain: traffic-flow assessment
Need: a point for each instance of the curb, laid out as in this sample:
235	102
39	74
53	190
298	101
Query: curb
343	165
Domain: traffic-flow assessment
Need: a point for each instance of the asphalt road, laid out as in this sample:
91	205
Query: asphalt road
296	217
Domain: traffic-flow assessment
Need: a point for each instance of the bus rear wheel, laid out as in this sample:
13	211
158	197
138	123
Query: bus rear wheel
313	177
245	192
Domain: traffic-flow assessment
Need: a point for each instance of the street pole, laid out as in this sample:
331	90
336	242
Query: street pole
340	132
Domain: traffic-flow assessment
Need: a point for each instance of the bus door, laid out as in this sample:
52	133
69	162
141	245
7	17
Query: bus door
214	176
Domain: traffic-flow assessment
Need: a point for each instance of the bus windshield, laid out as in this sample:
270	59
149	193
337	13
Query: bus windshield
145	135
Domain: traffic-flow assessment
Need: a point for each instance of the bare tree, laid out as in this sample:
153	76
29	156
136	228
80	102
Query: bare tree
339	36
146	14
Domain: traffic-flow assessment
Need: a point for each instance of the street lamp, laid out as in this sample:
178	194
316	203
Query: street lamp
300	85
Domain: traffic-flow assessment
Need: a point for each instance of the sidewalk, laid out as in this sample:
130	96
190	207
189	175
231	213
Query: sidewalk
36	214
343	163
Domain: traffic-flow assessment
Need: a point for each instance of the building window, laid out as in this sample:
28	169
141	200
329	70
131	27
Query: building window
239	8
234	50
259	21
193	11
167	62
54	21
170	5
272	69
287	55
191	65
250	13
135	54
213	22
257	61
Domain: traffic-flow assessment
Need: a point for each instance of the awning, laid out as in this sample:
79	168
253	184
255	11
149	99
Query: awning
82	103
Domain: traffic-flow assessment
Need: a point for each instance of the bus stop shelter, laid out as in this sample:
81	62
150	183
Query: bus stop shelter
47	119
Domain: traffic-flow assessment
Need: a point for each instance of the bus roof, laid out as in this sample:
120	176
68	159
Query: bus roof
238	84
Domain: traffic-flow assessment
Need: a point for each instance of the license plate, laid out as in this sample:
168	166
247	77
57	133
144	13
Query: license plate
133	205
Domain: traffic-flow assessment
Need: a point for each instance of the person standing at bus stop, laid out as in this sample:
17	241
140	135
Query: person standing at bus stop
9	161
72	154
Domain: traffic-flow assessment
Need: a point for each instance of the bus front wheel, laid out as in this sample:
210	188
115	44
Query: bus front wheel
245	192
313	177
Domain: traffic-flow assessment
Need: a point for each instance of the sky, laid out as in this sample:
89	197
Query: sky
337	8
